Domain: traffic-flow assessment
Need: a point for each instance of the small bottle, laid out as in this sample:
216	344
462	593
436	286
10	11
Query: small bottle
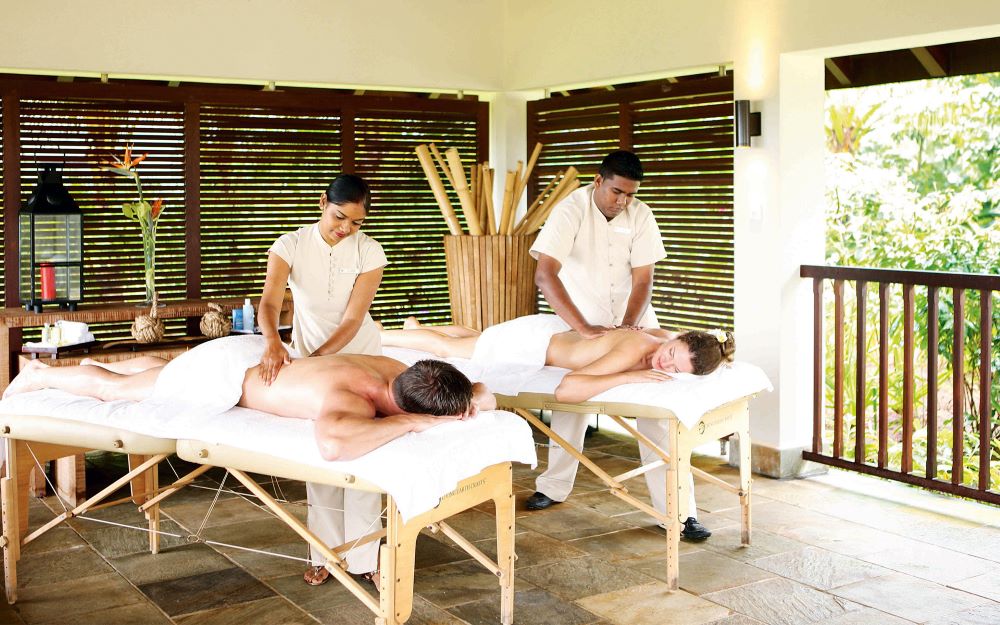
55	335
238	319
45	334
248	320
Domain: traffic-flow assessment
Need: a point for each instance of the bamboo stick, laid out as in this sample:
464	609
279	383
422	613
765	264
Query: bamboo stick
505	215
491	218
544	213
462	187
474	187
424	156
441	162
513	199
567	185
523	182
538	201
484	191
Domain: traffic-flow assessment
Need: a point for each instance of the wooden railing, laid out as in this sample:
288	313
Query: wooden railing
972	413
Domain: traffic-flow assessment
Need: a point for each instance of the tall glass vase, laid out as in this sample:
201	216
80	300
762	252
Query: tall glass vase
149	263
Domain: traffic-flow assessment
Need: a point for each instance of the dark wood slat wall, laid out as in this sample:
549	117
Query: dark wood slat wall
237	169
405	218
3	274
262	173
683	133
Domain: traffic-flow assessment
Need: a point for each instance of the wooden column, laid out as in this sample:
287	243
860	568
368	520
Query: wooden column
192	206
348	157
11	202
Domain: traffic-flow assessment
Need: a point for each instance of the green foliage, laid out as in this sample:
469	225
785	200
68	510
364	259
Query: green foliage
916	188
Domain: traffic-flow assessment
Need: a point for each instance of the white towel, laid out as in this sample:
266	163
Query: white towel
206	380
509	353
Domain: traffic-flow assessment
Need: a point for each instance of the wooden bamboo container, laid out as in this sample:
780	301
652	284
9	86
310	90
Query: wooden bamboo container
491	278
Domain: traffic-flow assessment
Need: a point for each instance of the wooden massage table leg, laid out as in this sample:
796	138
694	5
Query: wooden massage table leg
746	483
397	555
143	487
676	476
14	501
504	503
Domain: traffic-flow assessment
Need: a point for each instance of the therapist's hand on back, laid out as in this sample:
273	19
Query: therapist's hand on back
590	331
274	358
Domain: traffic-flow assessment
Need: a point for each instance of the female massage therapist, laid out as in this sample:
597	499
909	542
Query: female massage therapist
334	271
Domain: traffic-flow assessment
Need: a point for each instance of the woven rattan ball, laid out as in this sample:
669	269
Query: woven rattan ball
148	328
215	323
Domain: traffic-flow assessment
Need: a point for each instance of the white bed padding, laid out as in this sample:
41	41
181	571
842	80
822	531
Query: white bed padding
415	469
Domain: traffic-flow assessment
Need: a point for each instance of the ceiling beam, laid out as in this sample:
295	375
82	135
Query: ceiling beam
839	69
933	59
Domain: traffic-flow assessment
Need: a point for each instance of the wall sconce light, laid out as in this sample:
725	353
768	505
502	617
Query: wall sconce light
746	124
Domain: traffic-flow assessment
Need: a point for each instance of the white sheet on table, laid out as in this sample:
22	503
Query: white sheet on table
416	469
687	396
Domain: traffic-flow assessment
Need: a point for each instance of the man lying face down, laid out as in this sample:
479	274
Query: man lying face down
359	402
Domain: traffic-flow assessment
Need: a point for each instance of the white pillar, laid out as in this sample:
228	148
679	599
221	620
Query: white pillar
779	225
508	139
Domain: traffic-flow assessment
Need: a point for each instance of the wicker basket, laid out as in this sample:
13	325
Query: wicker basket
491	278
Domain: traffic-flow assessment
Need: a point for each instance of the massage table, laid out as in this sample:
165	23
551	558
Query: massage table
449	468
698	409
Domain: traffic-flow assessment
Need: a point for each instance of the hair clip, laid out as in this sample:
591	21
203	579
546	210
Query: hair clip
719	335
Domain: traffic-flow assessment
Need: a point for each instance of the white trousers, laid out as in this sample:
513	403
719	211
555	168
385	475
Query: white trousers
338	515
557	481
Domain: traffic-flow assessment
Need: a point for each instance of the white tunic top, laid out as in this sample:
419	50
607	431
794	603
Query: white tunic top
597	255
322	278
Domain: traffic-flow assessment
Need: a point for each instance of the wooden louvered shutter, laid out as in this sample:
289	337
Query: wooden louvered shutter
405	218
683	132
78	135
3	273
243	167
262	173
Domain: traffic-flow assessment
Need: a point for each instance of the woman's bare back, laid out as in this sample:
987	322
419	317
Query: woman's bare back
569	350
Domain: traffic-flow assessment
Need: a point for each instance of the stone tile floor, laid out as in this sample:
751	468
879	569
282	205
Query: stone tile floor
837	549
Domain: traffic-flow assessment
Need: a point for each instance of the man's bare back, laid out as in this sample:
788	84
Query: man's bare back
309	387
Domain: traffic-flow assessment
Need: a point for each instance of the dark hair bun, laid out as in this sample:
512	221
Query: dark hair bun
729	348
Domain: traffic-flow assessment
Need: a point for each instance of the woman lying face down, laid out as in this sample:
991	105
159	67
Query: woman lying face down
621	356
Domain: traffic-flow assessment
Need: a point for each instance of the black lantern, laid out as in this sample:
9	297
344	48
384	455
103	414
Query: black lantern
50	245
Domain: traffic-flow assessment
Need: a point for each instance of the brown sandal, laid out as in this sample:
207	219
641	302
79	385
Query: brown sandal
371	576
316	576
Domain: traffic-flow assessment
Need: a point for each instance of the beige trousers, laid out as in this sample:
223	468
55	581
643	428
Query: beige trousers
338	515
560	474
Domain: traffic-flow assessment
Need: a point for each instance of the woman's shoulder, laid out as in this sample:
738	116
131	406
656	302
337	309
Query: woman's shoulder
366	241
298	234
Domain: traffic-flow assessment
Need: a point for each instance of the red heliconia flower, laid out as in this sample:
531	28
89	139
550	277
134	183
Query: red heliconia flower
157	207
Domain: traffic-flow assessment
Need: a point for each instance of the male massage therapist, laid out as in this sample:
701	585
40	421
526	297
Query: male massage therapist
595	268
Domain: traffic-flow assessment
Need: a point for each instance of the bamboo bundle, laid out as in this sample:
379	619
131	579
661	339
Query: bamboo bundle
491	274
475	193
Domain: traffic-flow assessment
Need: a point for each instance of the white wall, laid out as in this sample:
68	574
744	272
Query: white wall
430	44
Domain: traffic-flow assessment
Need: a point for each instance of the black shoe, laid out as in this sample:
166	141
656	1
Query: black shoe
539	501
694	531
